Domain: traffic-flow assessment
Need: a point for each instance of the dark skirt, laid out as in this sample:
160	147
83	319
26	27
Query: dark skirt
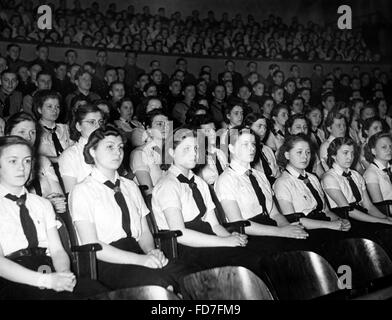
118	276
9	290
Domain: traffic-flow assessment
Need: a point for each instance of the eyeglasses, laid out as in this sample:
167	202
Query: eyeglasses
93	122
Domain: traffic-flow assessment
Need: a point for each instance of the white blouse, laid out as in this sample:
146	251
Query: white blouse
94	202
12	237
291	189
72	163
46	146
233	184
146	158
171	193
375	174
341	183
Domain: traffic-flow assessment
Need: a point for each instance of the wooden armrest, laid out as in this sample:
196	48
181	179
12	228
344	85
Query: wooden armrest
91	247
294	217
342	212
383	203
167	234
236	226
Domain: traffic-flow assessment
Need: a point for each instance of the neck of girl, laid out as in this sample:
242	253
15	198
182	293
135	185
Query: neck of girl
383	162
300	171
48	123
183	170
108	173
15	190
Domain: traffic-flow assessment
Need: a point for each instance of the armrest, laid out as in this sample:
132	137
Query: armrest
167	234
166	240
383	203
91	247
342	212
383	206
294	217
236	226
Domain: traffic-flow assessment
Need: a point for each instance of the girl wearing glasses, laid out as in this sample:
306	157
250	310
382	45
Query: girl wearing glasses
73	168
145	161
43	181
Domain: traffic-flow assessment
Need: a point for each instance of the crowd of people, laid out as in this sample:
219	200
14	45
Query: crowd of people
280	150
228	36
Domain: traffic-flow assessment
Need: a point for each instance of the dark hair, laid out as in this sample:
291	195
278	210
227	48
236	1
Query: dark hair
78	116
331	117
290	121
368	123
276	109
96	137
287	145
149	117
371	144
335	146
40	97
174	140
16	119
8	141
230	106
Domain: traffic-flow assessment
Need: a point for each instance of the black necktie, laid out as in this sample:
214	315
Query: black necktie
195	193
56	141
313	191
217	162
317	137
389	173
353	186
259	193
119	197
27	223
7	106
280	133
264	163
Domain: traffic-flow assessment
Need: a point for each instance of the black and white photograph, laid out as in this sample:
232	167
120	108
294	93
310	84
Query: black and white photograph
195	151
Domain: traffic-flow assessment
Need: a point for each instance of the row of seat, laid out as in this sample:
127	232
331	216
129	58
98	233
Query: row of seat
300	275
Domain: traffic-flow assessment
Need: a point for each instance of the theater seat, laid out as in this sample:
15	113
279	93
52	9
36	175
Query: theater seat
226	283
301	275
138	293
370	265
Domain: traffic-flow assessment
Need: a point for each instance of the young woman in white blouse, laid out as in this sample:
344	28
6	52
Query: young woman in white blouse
182	201
346	187
279	116
213	160
43	180
110	210
55	137
378	176
145	161
298	191
246	194
265	159
29	241
73	168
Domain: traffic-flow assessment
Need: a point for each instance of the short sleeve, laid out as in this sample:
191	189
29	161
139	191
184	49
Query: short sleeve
139	161
47	169
79	205
139	201
282	190
67	164
371	176
167	195
225	188
330	182
49	215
